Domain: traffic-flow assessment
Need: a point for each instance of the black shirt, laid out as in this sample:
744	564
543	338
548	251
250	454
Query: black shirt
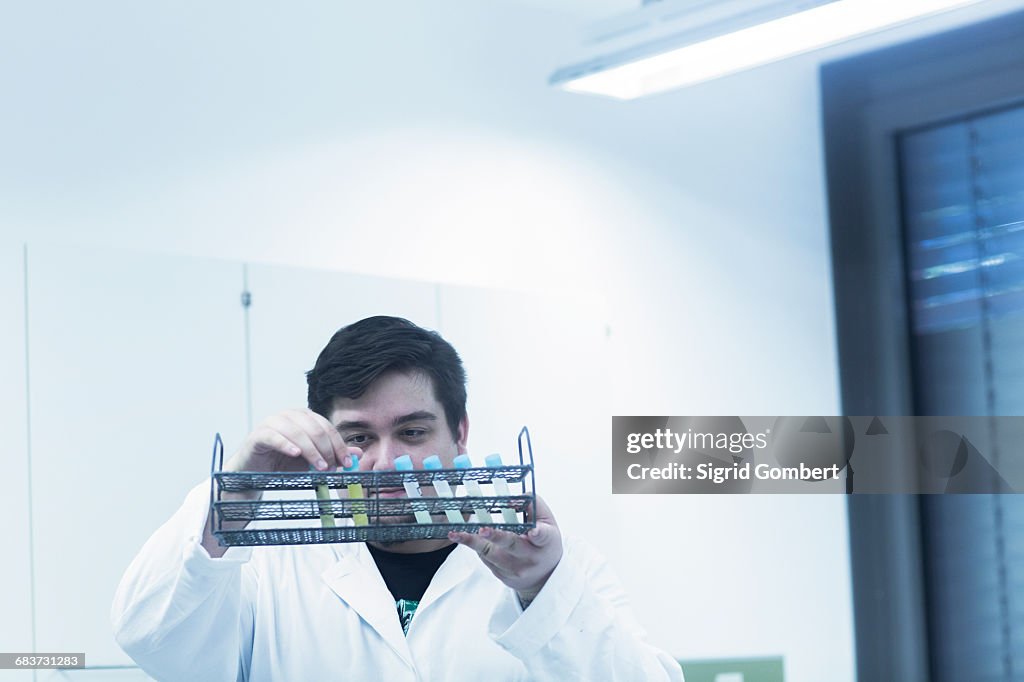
407	577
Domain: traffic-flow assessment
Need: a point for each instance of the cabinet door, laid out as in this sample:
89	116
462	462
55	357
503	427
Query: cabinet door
126	674
294	312
135	361
540	362
15	602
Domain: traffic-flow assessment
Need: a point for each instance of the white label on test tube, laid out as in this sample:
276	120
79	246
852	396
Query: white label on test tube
501	487
473	488
442	488
412	489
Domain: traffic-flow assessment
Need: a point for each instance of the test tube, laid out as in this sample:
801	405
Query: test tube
442	488
355	492
412	489
473	488
323	496
501	487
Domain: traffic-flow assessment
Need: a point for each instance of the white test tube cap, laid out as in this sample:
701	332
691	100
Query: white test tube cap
355	463
493	460
463	462
432	462
403	463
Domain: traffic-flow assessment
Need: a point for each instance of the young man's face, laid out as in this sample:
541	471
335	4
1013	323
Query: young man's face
398	415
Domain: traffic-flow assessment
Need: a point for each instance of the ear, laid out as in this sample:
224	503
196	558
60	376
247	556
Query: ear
462	437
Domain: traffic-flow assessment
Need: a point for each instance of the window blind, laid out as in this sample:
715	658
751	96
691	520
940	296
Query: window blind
962	188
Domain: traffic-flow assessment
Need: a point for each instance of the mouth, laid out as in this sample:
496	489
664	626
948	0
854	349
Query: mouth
391	492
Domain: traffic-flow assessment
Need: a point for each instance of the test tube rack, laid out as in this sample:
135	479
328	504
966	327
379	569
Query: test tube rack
377	509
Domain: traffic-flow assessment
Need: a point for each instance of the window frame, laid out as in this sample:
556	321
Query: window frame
866	101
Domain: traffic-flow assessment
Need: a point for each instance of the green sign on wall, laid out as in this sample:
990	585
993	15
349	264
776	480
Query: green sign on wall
734	670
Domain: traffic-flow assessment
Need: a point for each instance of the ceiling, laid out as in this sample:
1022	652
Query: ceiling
586	10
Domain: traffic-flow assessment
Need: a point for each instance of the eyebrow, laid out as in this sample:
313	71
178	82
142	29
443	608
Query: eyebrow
420	415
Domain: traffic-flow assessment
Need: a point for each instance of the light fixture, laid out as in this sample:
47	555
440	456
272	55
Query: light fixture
669	45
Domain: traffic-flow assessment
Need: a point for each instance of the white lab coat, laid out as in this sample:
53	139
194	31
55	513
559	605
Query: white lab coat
323	612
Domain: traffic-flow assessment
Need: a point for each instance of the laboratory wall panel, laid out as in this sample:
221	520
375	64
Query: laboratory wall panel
15	570
136	360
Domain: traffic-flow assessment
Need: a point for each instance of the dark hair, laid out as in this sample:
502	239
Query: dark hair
358	354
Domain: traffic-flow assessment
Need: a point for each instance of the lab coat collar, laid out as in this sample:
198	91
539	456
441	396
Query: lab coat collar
356	580
455	569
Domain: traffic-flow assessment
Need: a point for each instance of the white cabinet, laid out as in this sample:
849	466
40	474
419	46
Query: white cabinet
15	569
295	311
136	360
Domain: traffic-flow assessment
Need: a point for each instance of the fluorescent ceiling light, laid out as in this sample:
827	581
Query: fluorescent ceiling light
627	75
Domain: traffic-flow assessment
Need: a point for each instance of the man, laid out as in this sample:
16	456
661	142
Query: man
493	606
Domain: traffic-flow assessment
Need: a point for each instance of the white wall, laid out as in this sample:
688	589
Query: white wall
418	140
16	570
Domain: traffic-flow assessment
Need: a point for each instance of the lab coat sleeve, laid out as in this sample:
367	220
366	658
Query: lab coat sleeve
579	627
181	614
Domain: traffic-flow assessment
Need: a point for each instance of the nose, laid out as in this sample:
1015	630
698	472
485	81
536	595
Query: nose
385	452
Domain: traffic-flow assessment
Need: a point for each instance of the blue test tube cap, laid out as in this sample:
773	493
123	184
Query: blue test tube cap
432	462
493	460
463	462
355	463
403	463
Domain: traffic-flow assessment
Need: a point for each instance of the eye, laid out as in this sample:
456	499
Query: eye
414	434
357	439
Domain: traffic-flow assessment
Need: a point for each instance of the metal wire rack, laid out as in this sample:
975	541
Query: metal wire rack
385	516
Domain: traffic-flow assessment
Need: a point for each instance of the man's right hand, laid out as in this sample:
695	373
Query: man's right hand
292	440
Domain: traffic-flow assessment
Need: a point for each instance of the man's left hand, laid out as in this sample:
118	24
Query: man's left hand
523	562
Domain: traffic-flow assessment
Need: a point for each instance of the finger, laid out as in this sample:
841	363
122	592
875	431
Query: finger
480	545
352	452
542	534
341	450
318	429
316	434
510	542
497	560
278	443
539	511
297	435
492	554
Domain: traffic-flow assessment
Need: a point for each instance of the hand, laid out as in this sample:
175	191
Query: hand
523	562
292	440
